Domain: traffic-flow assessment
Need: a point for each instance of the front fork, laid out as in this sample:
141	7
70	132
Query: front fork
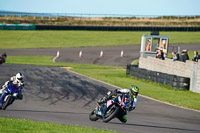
2	97
100	109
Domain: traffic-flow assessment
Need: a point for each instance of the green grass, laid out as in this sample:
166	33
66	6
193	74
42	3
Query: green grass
8	125
117	76
113	75
52	39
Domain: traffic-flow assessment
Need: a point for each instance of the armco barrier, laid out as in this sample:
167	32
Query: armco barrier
174	81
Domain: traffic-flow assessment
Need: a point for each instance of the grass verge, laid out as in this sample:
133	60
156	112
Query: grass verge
27	126
52	39
117	76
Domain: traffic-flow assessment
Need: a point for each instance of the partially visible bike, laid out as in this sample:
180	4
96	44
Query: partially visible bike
3	58
9	95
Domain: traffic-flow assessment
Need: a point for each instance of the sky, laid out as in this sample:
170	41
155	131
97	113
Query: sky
128	7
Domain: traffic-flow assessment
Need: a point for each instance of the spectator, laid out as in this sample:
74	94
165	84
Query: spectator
185	52
160	54
163	46
184	56
148	45
174	56
177	56
196	56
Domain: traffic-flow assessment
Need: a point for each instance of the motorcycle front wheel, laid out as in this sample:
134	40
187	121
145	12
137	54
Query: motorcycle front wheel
93	116
111	112
6	102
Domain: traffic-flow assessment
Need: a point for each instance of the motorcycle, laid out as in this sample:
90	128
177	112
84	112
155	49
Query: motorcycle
9	95
112	108
3	58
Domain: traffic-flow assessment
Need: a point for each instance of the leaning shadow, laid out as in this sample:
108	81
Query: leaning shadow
66	88
43	111
154	126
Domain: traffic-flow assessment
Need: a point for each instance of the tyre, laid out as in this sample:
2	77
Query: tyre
146	77
127	72
185	86
183	79
169	82
160	80
128	69
152	73
93	116
175	84
149	77
170	77
6	102
111	112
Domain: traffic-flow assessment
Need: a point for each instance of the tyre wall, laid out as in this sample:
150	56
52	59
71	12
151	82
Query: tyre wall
188	69
177	82
115	28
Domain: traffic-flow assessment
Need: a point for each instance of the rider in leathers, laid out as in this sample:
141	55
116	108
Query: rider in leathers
3	58
18	78
133	92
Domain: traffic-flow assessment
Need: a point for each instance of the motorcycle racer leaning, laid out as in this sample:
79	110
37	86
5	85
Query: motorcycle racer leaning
18	78
3	58
133	92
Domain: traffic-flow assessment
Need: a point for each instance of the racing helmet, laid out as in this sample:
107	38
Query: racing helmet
134	90
4	55
19	76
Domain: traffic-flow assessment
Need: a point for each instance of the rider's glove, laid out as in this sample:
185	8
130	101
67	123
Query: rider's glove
21	84
102	100
131	108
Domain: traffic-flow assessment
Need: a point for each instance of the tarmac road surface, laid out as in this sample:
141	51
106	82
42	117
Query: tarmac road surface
91	55
54	94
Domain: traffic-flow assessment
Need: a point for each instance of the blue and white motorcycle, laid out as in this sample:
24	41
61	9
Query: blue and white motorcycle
9	95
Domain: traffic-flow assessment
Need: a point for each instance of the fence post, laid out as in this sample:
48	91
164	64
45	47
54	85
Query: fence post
194	77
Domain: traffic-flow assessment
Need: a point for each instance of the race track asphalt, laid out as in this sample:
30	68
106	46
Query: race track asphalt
55	94
91	55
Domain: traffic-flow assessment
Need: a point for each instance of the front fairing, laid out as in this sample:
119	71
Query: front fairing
124	101
11	89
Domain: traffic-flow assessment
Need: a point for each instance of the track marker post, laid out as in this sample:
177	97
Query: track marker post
122	53
101	53
80	54
57	56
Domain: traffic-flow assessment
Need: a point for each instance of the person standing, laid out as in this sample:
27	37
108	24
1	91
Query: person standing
196	56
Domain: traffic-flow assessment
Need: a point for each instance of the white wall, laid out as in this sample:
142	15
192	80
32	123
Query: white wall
186	69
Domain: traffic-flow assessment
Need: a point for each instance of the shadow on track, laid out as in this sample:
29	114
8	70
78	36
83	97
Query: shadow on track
152	126
37	111
58	85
